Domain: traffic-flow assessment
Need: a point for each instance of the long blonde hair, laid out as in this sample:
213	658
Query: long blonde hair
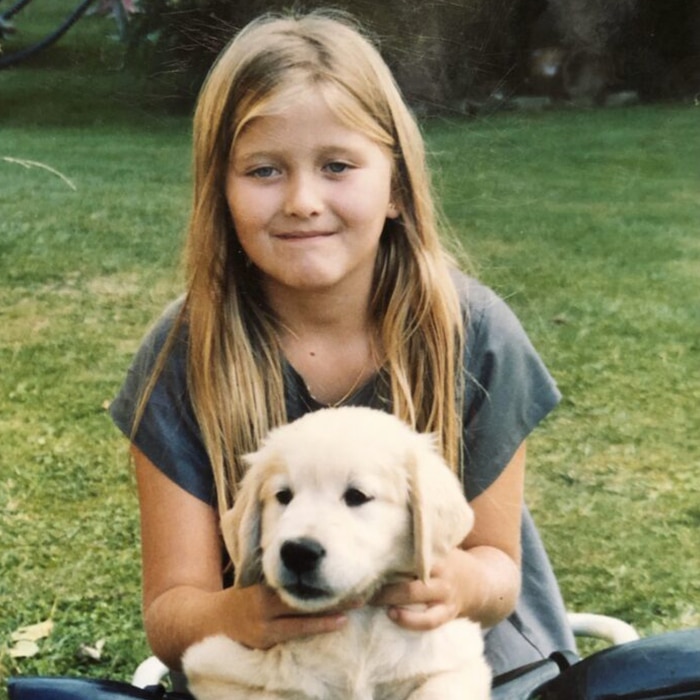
234	362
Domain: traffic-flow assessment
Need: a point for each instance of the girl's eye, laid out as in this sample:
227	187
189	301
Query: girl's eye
263	172
284	496
337	167
354	497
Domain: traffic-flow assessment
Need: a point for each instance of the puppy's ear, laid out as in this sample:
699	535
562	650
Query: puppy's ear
240	527
442	517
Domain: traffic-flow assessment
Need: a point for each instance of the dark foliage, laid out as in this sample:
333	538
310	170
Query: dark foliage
461	52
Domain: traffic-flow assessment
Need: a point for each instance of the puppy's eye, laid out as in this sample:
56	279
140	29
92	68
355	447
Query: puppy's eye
284	496
354	498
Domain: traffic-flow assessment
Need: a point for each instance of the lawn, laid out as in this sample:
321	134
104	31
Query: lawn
586	221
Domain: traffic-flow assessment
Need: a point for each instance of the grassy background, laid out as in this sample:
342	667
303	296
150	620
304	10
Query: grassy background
586	221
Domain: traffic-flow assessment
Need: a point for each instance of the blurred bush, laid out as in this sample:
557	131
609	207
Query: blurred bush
458	54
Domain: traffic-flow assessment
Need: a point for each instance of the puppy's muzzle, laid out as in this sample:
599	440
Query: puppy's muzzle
302	556
301	569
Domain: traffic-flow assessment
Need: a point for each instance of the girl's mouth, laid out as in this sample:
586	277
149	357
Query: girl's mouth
303	235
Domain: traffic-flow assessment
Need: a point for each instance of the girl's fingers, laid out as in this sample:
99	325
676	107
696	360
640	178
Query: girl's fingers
282	629
280	623
420	620
397	594
418	605
430	592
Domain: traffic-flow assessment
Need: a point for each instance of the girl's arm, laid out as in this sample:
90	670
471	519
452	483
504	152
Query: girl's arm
479	580
183	597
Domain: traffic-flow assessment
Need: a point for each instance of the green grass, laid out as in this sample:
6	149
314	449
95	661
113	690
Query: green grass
585	221
82	273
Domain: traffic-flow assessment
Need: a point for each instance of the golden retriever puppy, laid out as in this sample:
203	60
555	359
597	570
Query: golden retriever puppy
334	506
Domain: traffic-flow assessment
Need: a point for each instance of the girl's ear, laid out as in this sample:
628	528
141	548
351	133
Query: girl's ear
392	211
442	518
240	528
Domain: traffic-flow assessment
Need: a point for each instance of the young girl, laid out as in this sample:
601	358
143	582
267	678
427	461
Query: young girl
316	277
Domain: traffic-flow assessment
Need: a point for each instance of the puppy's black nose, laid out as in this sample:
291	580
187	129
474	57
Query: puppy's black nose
302	555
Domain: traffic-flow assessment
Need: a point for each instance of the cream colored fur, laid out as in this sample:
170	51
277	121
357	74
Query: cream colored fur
322	468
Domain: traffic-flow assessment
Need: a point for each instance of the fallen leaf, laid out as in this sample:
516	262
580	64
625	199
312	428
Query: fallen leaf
23	649
92	653
33	633
25	639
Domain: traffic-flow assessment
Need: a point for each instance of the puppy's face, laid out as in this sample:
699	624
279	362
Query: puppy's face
333	525
339	501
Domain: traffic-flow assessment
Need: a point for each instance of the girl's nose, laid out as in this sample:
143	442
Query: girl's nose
303	197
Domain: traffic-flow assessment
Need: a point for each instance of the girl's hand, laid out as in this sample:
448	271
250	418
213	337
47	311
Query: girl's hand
424	605
263	620
183	598
480	579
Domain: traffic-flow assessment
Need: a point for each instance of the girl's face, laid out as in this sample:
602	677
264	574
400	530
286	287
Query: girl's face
309	198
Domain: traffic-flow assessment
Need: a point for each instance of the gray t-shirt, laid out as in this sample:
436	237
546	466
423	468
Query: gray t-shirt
508	392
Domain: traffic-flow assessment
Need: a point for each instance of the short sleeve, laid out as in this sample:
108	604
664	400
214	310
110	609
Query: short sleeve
508	388
168	433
